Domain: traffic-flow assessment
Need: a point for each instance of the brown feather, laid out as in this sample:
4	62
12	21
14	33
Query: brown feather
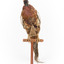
32	25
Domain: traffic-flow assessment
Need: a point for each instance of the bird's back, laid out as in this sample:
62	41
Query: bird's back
29	14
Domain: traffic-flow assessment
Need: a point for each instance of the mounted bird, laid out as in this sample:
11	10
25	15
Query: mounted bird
31	23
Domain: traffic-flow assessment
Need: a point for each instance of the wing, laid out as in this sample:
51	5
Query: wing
25	25
37	24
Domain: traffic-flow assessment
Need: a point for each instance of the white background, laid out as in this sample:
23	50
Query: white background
13	50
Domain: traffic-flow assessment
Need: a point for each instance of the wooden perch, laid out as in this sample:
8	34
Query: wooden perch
32	40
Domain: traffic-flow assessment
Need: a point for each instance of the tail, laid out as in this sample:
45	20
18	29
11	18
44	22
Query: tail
35	49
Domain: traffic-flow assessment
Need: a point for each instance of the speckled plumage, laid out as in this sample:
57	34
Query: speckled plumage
31	23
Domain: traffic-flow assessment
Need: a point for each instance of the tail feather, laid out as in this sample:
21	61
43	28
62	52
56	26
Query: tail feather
35	49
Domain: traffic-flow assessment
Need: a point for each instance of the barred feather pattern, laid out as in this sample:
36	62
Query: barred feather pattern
31	23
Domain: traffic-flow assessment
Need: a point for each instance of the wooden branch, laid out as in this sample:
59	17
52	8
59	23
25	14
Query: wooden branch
32	40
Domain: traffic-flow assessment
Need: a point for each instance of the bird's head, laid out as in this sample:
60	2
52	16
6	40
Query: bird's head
25	2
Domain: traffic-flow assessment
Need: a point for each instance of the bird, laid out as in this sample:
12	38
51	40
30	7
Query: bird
31	23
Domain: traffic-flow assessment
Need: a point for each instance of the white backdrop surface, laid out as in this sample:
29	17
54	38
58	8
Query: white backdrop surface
13	50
